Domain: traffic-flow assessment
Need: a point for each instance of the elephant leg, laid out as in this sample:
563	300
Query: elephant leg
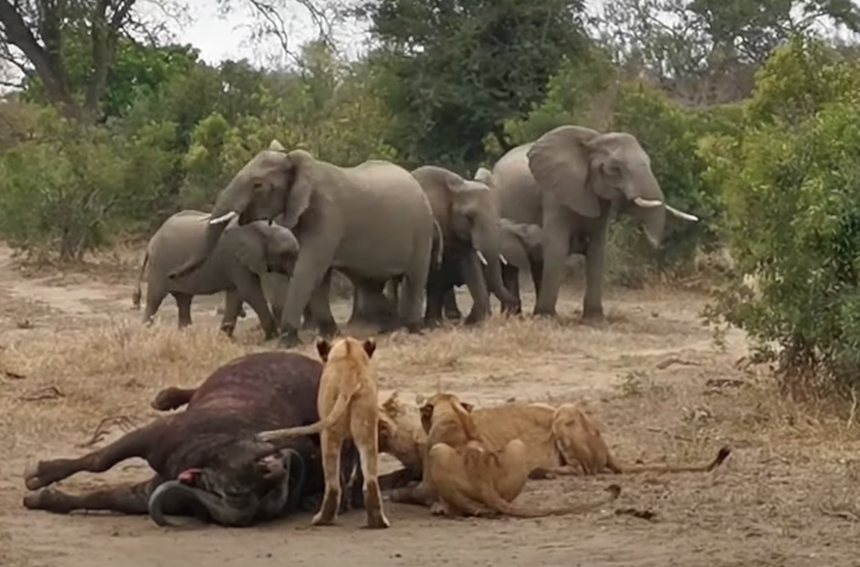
595	262
319	308
312	264
362	301
232	305
474	276
511	279
249	289
183	305
557	229
435	292
413	291
155	295
449	304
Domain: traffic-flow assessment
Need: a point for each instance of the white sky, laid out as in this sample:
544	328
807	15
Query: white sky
220	38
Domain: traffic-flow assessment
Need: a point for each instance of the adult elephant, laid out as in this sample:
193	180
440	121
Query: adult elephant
567	181
240	258
372	221
468	218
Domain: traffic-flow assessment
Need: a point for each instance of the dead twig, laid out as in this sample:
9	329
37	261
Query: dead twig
672	435
46	393
664	364
842	513
122	421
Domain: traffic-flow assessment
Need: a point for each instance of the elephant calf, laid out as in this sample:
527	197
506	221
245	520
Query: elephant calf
521	247
241	256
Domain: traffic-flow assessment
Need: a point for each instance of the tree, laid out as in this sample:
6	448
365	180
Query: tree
43	39
452	71
706	51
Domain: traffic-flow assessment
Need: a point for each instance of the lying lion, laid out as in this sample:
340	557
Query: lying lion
468	478
583	448
551	436
348	400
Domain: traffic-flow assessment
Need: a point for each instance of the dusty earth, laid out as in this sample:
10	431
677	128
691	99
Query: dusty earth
74	354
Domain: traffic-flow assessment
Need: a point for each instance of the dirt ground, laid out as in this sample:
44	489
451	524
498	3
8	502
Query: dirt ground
73	353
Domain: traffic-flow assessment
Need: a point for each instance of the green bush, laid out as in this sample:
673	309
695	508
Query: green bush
791	186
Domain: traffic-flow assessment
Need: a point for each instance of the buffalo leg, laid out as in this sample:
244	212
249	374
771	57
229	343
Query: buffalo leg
128	499
172	398
133	444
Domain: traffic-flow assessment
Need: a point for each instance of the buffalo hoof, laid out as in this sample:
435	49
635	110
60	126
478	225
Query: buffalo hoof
46	499
31	478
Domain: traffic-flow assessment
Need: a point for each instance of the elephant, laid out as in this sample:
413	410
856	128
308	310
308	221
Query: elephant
371	306
468	218
568	182
520	245
369	221
241	256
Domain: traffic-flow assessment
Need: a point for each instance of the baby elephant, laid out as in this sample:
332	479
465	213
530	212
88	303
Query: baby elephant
242	255
521	246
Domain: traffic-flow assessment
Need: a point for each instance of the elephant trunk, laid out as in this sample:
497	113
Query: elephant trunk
491	257
231	203
173	492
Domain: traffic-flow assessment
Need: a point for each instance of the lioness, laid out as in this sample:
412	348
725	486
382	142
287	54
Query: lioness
348	399
582	446
544	429
471	480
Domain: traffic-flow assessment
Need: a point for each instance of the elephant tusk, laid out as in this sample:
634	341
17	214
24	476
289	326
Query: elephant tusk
647	203
481	257
681	214
503	259
224	218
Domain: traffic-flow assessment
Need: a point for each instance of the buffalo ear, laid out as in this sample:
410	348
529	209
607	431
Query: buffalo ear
323	348
369	347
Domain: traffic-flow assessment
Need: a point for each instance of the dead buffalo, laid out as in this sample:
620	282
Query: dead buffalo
206	459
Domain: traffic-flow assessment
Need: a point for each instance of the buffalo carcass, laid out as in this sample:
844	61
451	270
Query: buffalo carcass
206	460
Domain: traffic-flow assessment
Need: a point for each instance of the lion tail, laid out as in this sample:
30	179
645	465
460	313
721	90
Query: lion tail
337	412
722	455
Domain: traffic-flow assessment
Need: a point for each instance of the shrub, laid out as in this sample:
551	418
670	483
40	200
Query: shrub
791	185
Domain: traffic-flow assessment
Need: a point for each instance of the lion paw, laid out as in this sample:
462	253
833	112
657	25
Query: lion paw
438	509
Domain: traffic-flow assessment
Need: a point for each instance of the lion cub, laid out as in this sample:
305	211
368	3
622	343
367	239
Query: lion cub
348	409
581	444
470	480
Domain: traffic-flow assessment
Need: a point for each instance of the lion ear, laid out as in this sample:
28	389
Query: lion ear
391	403
323	348
419	399
427	411
467	406
369	347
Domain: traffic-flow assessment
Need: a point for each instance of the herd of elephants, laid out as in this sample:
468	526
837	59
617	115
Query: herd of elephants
289	216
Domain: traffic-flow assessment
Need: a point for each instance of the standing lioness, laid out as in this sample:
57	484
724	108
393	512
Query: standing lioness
348	400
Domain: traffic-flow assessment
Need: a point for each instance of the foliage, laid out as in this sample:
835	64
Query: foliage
791	182
452	72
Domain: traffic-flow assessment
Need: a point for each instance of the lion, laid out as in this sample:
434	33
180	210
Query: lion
582	446
544	429
348	407
468	478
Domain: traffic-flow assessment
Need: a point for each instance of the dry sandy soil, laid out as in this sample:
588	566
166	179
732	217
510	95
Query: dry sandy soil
654	374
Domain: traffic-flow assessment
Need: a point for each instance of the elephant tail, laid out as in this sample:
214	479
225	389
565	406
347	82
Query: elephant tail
135	297
438	247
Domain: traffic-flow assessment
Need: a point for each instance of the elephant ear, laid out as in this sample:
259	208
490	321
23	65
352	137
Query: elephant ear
302	185
559	162
513	245
247	244
276	146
